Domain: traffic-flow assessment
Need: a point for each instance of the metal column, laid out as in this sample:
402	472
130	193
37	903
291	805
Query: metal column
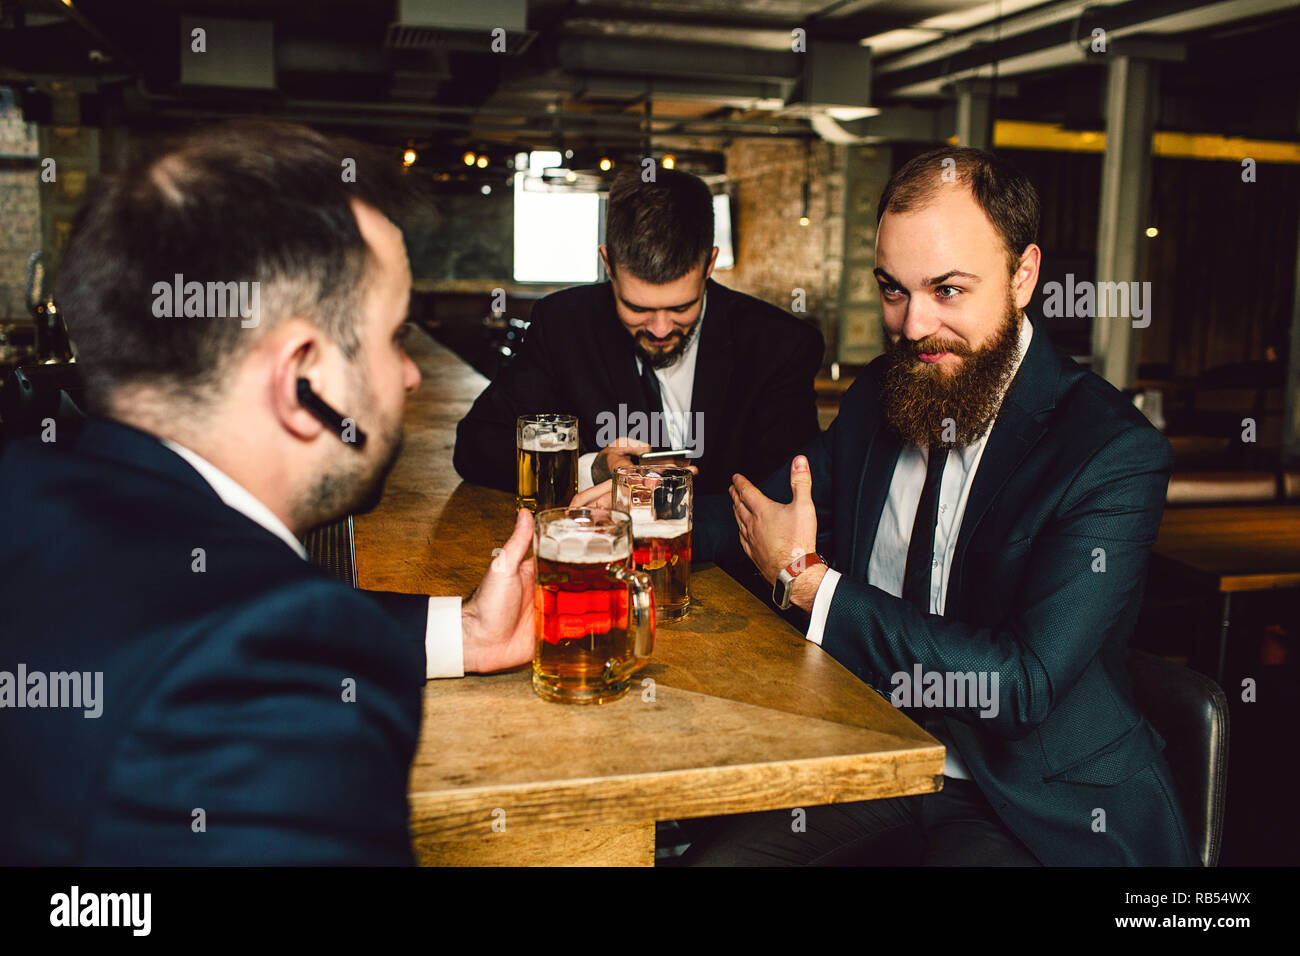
1131	91
973	113
1291	418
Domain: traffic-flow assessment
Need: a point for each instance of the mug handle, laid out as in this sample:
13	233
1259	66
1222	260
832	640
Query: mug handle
641	616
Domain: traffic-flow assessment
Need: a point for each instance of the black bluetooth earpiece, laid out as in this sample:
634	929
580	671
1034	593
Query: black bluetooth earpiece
327	416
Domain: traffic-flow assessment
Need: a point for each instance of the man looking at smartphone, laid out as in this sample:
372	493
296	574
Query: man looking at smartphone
660	357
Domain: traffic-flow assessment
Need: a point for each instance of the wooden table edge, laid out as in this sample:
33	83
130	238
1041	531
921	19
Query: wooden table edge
627	800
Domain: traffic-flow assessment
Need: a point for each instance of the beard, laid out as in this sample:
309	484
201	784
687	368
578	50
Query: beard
664	358
918	396
356	486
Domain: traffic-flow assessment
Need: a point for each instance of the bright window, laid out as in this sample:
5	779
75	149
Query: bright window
556	235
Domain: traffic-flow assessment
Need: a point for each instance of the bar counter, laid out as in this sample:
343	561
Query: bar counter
736	711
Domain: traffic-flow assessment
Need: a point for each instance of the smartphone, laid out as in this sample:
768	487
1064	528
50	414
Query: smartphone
677	456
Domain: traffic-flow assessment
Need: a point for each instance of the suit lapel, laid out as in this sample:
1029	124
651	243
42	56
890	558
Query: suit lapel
713	367
1015	431
616	357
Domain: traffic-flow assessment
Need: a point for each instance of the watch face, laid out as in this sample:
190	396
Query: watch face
782	588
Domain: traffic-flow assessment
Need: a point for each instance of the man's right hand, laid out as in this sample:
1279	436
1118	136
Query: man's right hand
618	454
497	620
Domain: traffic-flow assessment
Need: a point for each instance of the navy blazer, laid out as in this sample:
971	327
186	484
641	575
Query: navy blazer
754	372
223	688
1072	476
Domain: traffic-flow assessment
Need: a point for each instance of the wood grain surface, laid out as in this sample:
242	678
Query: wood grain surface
735	712
1235	547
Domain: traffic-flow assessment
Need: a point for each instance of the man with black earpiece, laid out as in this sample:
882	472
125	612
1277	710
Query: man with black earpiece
170	526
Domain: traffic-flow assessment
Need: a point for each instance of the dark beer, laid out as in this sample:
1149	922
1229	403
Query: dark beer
663	550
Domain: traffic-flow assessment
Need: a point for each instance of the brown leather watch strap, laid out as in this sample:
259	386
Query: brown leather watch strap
803	563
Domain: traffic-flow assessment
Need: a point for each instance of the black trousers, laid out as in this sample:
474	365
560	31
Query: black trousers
954	827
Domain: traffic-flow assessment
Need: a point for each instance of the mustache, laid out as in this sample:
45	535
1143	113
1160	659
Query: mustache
674	336
930	346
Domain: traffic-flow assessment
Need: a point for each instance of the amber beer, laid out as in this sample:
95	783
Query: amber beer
663	550
593	614
659	499
546	457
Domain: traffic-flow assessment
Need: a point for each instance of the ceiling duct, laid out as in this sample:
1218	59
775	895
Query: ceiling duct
453	25
836	76
220	52
834	93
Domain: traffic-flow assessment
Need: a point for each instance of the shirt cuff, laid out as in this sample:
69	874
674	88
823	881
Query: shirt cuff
584	470
822	605
444	644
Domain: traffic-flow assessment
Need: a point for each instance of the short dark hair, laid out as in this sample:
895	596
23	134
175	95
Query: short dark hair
244	201
658	230
1005	194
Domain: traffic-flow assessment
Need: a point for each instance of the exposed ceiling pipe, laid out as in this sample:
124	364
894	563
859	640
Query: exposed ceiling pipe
417	113
1052	37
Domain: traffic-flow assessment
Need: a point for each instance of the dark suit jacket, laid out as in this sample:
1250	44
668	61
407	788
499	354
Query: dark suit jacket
753	383
1070	467
222	689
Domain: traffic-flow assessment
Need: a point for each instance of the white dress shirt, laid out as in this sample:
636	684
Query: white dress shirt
443	641
676	385
894	534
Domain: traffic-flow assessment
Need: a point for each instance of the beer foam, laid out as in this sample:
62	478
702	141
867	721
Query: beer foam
578	547
660	529
548	443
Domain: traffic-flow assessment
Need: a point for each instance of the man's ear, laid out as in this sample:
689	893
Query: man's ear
708	271
604	257
294	351
1025	279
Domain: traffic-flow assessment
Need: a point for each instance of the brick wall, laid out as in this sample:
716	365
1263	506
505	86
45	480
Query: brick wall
19	206
775	255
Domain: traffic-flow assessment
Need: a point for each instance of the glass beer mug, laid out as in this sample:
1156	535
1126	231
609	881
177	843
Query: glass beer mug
593	612
546	456
659	499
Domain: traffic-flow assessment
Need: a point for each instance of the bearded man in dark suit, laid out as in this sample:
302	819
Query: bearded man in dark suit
970	536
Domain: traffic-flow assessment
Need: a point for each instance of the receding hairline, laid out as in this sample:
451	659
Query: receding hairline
930	197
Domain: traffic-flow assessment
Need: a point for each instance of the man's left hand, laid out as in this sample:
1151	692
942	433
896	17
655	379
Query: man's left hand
773	535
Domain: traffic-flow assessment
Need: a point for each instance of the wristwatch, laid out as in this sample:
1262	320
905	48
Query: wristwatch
783	587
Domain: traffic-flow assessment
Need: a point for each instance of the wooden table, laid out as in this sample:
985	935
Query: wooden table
736	711
1231	549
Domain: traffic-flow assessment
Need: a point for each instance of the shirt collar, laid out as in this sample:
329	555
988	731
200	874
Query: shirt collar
238	497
